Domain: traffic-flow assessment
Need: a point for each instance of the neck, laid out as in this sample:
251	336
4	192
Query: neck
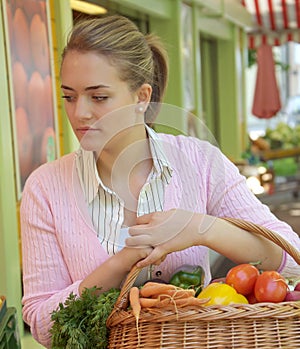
125	154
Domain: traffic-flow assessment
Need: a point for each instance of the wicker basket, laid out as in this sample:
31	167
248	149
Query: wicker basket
242	326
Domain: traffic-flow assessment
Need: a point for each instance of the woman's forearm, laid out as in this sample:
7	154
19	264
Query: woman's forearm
112	272
176	230
108	275
241	246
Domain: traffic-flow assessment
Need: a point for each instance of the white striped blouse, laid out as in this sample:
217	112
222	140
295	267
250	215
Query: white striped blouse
107	208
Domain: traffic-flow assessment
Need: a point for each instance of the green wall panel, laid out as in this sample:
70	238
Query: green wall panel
10	271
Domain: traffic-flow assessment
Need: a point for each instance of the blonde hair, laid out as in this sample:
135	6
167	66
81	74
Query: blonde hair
139	58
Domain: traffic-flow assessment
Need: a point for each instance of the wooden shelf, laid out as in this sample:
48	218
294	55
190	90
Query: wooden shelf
273	154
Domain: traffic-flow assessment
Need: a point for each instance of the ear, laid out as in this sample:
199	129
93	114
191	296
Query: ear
144	96
144	93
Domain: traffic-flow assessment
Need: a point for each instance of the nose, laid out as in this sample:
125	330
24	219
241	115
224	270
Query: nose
83	109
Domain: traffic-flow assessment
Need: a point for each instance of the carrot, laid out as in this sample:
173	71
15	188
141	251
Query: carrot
134	299
148	302
177	293
151	289
157	295
183	302
165	302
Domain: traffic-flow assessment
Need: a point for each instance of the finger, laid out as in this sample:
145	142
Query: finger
158	262
145	219
138	241
156	255
139	229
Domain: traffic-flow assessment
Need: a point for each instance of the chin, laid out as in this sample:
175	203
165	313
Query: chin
91	144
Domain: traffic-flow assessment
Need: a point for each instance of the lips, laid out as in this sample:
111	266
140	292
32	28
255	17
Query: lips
86	129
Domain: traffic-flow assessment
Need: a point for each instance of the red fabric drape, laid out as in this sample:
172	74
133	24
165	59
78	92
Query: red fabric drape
266	102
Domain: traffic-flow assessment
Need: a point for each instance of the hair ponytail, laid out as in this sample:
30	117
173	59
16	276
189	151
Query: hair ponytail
160	76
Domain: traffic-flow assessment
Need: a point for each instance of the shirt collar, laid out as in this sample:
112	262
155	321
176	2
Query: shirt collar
90	179
160	161
88	174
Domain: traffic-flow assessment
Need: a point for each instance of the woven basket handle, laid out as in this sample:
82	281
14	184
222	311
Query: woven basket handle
122	301
268	234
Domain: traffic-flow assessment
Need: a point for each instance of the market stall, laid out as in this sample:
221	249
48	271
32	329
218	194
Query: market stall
279	151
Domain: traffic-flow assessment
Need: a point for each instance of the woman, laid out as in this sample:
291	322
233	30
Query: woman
169	190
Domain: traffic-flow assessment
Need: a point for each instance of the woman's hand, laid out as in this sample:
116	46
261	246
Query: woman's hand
133	255
111	273
129	256
167	232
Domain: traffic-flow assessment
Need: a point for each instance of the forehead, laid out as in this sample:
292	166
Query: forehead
88	66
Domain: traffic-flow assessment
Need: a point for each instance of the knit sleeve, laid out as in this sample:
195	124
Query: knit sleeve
46	279
215	186
238	201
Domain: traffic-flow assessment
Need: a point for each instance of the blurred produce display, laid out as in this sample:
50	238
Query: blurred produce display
283	136
274	155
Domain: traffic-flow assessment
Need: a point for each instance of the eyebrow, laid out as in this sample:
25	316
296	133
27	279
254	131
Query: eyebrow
96	87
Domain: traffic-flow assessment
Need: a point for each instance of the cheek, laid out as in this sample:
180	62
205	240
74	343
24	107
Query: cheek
70	114
68	110
102	110
67	105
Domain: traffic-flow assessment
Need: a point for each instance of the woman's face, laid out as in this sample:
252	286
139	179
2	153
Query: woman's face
99	105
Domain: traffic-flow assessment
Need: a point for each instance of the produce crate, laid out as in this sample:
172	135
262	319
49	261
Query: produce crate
9	332
273	154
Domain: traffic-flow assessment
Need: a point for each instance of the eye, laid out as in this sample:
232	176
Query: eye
68	98
99	98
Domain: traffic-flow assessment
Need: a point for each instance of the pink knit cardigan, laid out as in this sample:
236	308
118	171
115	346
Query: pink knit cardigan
60	246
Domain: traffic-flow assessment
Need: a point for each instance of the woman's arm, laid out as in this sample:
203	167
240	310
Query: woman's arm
112	272
60	258
176	230
225	194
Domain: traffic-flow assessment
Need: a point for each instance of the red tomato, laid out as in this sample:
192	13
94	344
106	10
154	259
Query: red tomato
251	298
297	287
270	286
242	277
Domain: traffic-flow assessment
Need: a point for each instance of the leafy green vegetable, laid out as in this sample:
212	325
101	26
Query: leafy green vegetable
80	322
283	136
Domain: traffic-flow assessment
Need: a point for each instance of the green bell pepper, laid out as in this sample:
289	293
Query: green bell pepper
188	276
